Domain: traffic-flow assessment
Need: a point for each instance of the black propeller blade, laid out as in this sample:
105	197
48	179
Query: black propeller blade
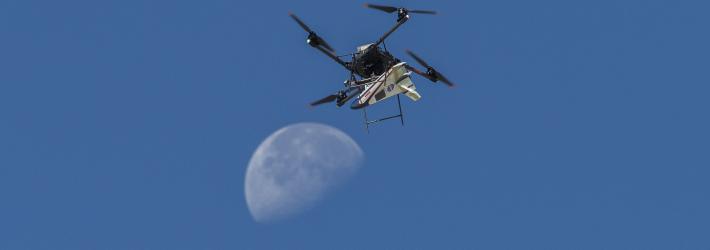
301	23
338	96
388	9
327	99
313	38
419	60
430	12
341	96
391	9
431	73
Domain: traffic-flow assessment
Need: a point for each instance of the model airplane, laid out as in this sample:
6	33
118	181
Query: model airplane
375	74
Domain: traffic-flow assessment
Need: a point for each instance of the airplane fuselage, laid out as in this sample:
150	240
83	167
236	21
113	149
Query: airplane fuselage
395	80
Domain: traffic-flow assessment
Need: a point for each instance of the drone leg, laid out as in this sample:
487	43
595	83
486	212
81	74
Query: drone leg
401	115
367	123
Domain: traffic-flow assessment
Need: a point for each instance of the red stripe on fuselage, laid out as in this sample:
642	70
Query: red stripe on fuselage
370	92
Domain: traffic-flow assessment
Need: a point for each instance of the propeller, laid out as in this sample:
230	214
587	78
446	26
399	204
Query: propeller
340	97
313	39
391	9
430	73
331	98
327	99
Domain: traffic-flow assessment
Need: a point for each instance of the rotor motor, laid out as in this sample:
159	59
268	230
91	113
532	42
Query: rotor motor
312	39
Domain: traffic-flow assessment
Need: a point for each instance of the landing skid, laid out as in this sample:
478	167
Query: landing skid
400	115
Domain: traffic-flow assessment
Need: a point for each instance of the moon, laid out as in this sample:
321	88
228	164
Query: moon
296	167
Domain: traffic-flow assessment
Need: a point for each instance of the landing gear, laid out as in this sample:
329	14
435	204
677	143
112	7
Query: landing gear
368	122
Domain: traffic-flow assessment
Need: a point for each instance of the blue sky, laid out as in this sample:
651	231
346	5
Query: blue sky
576	124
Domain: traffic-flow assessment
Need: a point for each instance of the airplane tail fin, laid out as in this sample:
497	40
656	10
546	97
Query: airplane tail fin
410	91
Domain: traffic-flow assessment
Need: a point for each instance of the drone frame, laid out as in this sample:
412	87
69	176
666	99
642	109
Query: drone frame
402	16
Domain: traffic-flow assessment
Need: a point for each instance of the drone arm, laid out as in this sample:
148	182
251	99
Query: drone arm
396	26
332	56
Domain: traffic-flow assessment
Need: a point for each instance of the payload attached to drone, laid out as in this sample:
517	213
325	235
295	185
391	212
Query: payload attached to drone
375	74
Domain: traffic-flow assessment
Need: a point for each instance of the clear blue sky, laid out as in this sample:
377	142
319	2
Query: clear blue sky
575	125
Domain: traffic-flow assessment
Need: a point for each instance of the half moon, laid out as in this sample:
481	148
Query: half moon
295	167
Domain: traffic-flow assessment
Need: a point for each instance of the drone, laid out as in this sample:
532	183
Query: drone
375	74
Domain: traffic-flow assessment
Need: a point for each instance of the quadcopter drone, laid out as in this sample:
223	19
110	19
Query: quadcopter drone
375	74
